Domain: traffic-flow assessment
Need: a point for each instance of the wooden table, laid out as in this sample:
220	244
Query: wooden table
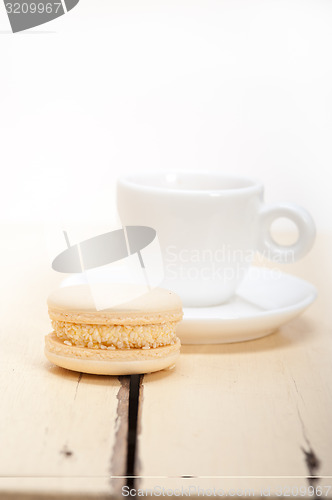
243	419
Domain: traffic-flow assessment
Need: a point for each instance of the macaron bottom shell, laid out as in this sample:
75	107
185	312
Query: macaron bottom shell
113	362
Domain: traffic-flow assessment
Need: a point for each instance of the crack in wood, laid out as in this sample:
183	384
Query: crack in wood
78	381
296	388
313	463
133	429
137	462
119	452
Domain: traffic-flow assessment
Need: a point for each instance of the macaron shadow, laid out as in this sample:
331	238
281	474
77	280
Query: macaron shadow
161	374
83	378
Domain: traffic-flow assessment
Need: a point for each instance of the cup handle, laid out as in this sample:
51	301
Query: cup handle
305	225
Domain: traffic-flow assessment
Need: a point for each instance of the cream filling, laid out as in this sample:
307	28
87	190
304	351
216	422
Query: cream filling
115	336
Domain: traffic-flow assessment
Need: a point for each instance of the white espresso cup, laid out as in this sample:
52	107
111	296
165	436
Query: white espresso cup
209	227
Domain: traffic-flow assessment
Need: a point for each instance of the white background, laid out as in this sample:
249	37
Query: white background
241	86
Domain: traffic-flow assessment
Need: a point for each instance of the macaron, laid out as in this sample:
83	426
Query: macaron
133	336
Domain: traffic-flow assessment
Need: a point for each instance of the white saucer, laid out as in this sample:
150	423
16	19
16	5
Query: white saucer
266	300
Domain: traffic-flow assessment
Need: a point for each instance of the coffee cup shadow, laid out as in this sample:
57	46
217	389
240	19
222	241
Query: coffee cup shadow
298	331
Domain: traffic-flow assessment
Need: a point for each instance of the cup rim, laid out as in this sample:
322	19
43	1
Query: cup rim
130	180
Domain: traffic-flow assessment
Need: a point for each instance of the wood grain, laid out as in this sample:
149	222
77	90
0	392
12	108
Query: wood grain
61	432
250	415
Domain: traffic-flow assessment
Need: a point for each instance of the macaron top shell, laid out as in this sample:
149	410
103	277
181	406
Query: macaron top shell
130	305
